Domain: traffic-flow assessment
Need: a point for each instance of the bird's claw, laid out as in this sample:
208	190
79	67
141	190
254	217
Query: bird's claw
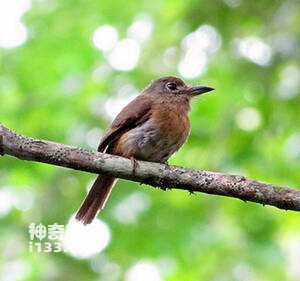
133	163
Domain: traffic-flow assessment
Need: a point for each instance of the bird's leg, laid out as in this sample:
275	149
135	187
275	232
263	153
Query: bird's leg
133	163
165	162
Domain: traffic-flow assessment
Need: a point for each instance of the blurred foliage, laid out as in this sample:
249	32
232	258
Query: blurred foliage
56	86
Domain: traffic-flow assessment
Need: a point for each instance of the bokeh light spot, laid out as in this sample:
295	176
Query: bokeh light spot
143	270
291	147
248	119
255	50
141	28
129	209
105	37
233	3
24	198
12	35
197	46
83	241
206	38
14	270
289	83
291	249
125	55
93	136
6	200
13	32
193	64
114	105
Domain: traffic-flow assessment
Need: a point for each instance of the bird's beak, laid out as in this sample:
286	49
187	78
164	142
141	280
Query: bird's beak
199	90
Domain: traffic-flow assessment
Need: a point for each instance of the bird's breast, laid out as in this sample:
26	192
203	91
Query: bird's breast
158	138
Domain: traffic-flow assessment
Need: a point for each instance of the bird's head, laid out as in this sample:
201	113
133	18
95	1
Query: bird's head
175	86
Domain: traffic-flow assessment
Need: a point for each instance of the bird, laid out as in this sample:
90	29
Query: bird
152	127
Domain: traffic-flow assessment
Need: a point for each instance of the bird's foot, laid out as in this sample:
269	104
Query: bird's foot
133	163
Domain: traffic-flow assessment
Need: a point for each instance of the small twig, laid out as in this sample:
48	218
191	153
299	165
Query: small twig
154	174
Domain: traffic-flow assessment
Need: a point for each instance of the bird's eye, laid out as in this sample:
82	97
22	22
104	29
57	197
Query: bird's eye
172	86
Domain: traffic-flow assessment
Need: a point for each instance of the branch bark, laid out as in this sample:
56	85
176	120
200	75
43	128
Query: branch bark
154	174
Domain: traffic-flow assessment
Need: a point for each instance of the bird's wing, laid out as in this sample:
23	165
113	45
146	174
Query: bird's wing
135	113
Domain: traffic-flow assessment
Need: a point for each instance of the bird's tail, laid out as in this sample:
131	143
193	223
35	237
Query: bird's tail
96	198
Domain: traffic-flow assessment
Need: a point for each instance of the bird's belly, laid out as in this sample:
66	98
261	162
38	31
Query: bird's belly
152	142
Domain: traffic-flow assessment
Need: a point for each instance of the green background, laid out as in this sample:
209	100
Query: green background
49	89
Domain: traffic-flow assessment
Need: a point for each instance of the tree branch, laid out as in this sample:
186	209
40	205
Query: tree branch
154	174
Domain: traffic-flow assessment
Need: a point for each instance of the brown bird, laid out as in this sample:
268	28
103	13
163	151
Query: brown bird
151	128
